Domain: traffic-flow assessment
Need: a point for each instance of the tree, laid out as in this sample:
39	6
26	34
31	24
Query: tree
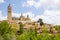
8	36
24	36
15	26
41	22
57	27
1	38
4	27
32	34
21	27
35	32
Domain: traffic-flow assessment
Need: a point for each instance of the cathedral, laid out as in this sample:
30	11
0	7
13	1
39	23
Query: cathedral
14	22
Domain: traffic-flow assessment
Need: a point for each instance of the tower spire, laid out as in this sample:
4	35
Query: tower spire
9	5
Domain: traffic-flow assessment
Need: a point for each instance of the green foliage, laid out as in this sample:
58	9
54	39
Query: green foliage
24	36
57	37
4	27
1	38
45	31
30	31
27	36
35	32
15	26
32	34
57	27
21	27
7	33
9	36
41	22
45	37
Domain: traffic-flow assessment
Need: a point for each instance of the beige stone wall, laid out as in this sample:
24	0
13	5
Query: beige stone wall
9	13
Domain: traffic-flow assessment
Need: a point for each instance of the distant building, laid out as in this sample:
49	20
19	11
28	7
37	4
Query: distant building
14	22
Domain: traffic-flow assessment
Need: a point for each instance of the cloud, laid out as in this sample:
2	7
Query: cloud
46	4
16	14
31	15
2	17
50	17
0	14
30	3
1	1
51	13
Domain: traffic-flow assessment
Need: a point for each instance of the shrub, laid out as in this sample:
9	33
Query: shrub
9	37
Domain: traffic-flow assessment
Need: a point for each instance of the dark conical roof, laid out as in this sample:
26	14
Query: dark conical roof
27	17
9	6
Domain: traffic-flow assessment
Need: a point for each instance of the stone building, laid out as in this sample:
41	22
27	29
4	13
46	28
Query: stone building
14	22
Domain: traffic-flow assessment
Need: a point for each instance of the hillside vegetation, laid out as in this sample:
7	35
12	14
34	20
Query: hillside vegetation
7	33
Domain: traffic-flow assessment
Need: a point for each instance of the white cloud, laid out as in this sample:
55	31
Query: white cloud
31	3
51	7
16	14
50	16
2	17
46	4
0	14
1	1
31	15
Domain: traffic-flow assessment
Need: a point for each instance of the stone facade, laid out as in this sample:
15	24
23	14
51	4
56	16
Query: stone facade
14	22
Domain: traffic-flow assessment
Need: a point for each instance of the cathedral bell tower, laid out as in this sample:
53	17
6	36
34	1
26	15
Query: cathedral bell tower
9	14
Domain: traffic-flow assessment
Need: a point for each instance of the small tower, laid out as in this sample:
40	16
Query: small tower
27	16
28	19
22	18
9	14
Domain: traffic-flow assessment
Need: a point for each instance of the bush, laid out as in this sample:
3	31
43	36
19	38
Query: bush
1	38
24	36
9	37
57	37
57	27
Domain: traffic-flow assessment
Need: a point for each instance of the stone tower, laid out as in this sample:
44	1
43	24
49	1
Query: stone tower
28	19
22	18
9	14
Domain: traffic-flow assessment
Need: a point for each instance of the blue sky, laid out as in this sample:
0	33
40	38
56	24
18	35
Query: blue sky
17	7
48	10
